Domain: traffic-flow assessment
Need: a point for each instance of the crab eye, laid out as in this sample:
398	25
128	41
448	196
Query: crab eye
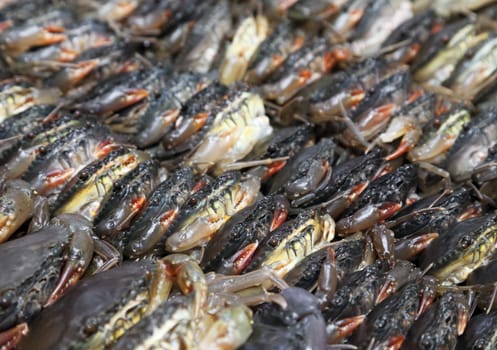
465	242
90	326
381	323
426	343
236	235
338	300
6	299
479	345
111	224
83	175
154	201
273	242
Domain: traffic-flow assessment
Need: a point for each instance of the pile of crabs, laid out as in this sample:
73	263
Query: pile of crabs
272	174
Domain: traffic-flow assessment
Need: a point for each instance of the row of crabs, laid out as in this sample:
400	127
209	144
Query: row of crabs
135	208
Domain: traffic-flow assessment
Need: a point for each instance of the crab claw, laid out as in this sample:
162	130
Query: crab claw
429	293
355	96
105	147
388	288
366	217
150	23
408	248
16	203
395	342
148	238
279	217
469	213
343	200
132	96
53	179
339	54
115	100
19	41
185	129
80	253
328	276
376	119
318	173
463	315
190	236
12	336
384	243
242	258
283	90
50	34
5	25
403	273
117	10
343	328
273	168
403	148
71	76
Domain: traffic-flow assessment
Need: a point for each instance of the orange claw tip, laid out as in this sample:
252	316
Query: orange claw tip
274	168
105	147
329	61
386	290
5	25
342	53
69	276
243	257
356	96
395	342
136	95
200	119
56	178
279	217
414	96
380	114
426	302
358	189
348	325
423	241
138	203
277	59
3	220
167	218
170	116
387	209
52	38
412	52
67	55
332	255
54	28
198	186
81	70
305	74
403	148
469	213
11	337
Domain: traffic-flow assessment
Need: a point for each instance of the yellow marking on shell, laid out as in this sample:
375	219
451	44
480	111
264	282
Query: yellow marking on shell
309	237
475	256
87	200
438	69
121	321
251	32
203	223
178	329
477	71
235	132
